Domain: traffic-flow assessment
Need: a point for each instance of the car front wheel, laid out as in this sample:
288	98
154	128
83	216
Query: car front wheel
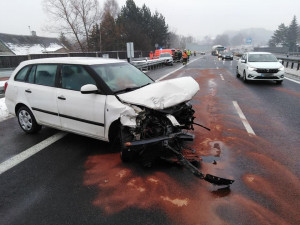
27	121
279	81
245	77
237	72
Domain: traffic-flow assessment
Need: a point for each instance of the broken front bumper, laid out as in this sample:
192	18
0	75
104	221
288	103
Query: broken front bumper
180	135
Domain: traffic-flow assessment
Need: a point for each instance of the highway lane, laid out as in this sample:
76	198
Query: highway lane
78	180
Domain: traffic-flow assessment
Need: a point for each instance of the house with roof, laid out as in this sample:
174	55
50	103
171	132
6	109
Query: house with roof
11	44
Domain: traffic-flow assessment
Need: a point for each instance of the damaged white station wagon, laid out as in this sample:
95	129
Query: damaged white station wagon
106	99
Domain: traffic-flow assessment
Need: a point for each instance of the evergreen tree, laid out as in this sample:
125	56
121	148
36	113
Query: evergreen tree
94	44
280	36
160	32
292	35
109	34
138	25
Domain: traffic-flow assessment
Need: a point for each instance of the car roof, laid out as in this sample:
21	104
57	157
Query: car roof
73	60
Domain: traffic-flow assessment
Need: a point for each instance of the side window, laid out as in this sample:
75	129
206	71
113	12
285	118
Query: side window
244	57
22	74
30	78
73	77
45	75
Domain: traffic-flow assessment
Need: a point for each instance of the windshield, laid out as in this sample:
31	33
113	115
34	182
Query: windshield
121	77
262	58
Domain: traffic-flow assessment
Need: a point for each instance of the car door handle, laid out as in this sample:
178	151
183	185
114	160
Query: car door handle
61	97
28	90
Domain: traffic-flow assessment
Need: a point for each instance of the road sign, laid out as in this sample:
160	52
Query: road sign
249	41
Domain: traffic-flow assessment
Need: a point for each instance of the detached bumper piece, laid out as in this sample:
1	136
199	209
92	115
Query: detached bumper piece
176	150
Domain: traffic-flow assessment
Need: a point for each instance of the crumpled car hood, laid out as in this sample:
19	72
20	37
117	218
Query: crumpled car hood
163	94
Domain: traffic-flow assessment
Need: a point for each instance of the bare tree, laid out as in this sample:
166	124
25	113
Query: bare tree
75	17
111	7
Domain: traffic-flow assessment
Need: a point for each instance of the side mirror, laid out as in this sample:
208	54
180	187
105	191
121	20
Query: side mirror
89	89
280	60
243	61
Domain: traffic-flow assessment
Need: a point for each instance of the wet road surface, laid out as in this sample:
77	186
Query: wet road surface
78	180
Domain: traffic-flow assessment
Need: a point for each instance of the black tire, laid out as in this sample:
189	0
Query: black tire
27	120
237	73
279	81
244	77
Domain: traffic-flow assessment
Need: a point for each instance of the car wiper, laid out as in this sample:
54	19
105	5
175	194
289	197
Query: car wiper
126	90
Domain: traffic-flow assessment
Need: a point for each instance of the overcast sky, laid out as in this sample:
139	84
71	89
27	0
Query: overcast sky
187	17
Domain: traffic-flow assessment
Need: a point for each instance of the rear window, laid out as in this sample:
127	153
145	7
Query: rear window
22	74
45	75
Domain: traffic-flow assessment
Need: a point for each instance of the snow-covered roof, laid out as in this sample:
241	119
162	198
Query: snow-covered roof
24	45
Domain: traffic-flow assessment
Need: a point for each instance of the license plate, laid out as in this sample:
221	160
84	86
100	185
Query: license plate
266	74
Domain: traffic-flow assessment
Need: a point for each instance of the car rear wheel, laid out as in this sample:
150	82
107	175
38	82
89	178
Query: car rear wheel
27	121
245	77
237	72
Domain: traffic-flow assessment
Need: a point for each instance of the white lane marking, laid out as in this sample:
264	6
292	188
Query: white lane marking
221	76
168	74
15	160
292	80
243	118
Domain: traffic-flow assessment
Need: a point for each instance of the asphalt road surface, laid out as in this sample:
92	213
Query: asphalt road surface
254	139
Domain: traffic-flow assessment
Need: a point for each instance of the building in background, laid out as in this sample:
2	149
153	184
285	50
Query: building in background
11	44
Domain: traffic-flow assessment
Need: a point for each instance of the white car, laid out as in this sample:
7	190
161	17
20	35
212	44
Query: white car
260	66
105	99
167	57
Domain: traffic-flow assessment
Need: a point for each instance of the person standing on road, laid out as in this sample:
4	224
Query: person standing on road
188	54
179	55
151	55
184	57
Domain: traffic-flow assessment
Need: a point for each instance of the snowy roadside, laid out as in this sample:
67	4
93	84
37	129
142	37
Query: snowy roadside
3	110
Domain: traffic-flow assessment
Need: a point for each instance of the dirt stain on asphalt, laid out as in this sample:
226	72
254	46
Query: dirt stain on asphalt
254	198
290	92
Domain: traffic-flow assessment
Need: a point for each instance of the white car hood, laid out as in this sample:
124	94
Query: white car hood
265	65
163	94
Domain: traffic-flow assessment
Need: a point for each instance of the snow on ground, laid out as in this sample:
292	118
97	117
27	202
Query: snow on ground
3	110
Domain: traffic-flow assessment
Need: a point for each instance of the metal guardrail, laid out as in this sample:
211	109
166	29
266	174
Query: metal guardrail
148	64
290	63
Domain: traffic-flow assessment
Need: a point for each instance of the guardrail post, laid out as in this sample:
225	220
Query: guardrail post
287	64
298	65
292	65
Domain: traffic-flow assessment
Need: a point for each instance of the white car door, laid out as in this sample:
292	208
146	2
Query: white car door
80	113
40	93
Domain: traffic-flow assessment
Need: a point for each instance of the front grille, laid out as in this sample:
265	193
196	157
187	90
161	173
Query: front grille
267	70
264	78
